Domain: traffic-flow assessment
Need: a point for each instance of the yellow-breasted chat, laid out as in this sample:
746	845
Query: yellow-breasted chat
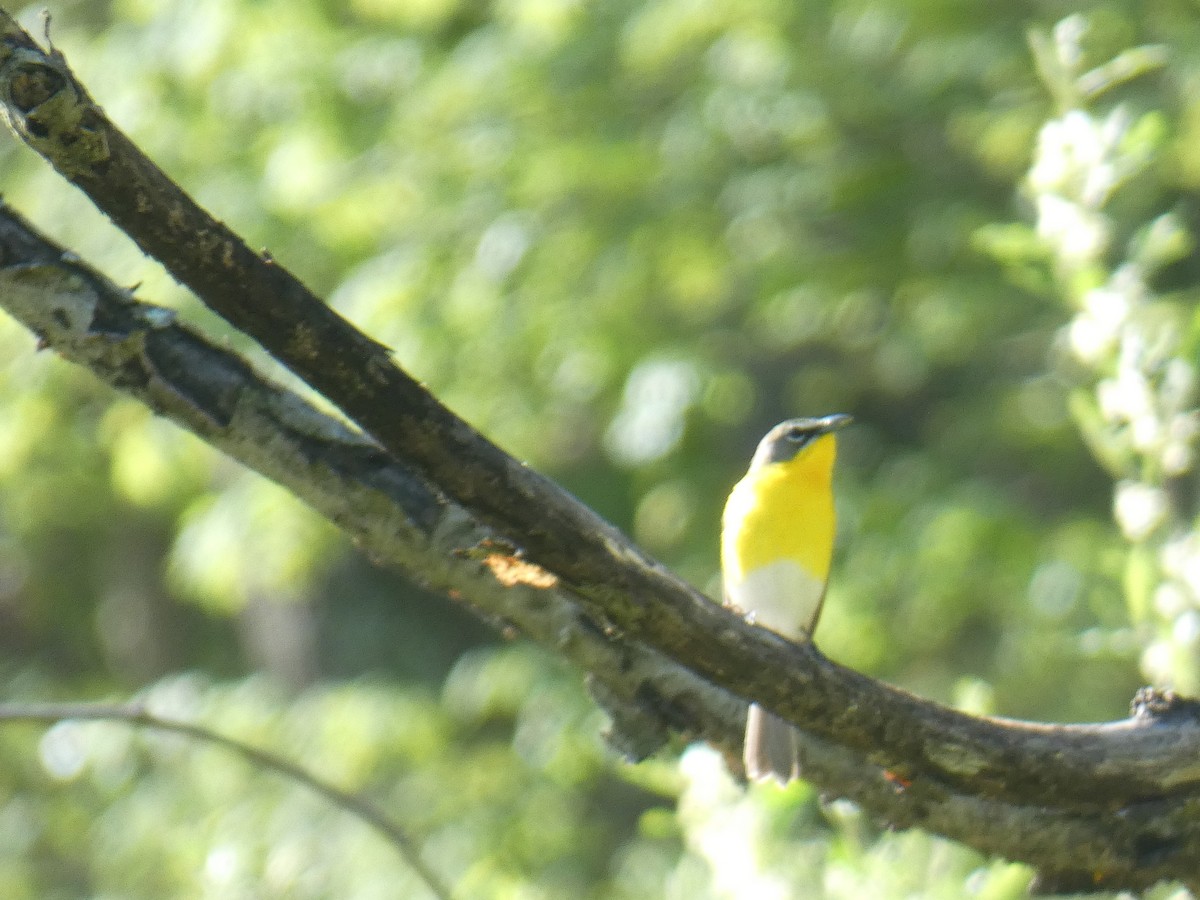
776	544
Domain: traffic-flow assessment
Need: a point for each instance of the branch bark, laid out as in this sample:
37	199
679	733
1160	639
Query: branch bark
1101	806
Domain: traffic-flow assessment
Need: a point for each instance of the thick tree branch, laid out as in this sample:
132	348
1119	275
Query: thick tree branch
1113	804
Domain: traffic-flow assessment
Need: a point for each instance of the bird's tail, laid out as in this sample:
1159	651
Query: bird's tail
771	749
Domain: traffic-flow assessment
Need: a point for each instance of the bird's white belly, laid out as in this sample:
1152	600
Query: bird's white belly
781	596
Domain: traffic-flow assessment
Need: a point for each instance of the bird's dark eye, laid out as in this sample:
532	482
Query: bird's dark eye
798	435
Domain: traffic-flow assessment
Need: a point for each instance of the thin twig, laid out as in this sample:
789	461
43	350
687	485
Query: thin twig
393	833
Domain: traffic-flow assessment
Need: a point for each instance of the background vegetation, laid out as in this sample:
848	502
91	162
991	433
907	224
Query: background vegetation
622	239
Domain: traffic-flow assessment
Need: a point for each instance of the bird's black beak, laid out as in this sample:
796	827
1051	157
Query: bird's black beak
835	422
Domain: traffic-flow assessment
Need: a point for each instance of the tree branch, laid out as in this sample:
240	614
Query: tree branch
1112	805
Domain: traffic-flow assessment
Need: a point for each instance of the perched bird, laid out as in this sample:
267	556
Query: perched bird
776	543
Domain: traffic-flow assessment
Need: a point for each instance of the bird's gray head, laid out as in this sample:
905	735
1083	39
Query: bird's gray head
788	438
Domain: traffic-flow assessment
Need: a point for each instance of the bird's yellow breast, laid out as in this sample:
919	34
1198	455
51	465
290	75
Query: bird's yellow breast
782	511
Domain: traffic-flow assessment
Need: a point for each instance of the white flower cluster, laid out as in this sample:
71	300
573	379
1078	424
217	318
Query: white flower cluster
1146	425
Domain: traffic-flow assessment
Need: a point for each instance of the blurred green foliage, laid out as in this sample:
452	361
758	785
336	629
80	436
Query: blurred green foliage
622	239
